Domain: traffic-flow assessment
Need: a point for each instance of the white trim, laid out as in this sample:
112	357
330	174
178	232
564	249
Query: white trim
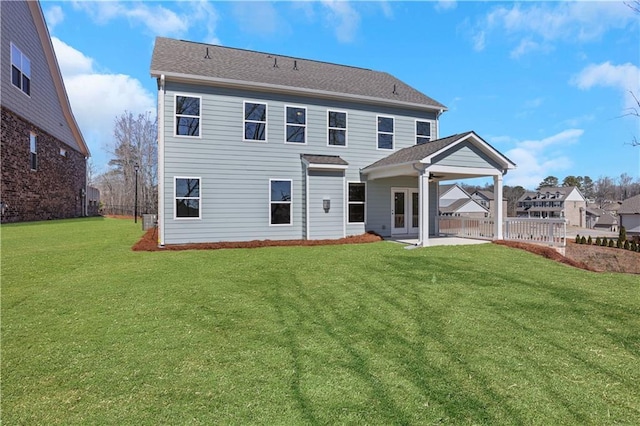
281	202
199	198
415	130
463	170
304	126
161	183
346	126
277	88
245	121
481	144
33	150
307	214
22	55
392	133
344	211
364	203
323	166
175	115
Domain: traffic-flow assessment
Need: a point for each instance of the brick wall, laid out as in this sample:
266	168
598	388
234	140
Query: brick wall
54	190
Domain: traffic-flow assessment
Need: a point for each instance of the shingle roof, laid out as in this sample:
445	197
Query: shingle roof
486	194
185	58
533	195
630	206
324	159
417	152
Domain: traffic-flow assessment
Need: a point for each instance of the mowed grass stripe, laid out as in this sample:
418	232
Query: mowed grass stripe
95	333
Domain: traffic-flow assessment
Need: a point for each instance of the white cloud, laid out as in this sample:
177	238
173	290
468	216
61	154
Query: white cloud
625	78
443	5
343	18
257	17
537	26
98	98
53	16
537	159
157	19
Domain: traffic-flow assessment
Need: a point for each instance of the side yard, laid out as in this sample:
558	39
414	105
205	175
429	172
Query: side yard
95	333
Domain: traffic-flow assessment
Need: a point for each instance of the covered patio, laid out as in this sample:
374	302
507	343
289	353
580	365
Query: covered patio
457	157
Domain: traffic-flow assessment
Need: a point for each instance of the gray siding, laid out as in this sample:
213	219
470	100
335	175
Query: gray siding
235	174
323	224
465	155
43	107
379	202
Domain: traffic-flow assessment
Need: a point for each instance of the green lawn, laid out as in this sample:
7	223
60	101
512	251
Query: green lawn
93	333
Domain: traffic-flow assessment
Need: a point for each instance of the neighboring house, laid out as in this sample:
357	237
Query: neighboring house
559	202
455	201
44	156
629	214
612	207
255	146
485	198
597	218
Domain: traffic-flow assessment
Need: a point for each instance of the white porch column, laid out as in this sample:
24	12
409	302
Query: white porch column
423	211
499	214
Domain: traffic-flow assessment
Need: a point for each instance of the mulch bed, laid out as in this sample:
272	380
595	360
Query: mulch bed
545	251
149	242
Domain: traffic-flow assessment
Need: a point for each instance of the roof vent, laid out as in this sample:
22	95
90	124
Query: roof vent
275	63
207	55
295	65
394	90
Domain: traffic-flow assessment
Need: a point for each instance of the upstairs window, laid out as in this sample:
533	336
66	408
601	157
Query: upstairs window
188	116
280	202
423	132
187	198
255	121
337	128
385	132
357	200
296	125
20	70
33	151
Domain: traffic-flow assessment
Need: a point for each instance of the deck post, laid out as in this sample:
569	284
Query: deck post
497	196
423	211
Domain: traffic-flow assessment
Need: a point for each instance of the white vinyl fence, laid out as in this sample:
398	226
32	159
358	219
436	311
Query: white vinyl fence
551	232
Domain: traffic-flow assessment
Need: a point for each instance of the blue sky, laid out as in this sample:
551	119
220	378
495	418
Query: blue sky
546	83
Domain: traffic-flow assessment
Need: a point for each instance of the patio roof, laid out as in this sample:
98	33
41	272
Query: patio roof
413	160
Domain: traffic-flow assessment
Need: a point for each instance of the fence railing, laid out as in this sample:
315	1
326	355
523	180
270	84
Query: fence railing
126	210
552	232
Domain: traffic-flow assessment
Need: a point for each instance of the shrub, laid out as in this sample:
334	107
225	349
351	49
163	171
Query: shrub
598	241
589	240
611	244
603	243
619	243
622	235
583	240
626	245
578	239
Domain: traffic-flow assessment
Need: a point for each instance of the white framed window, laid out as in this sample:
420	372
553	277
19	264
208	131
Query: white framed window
336	128
423	132
295	124
33	151
357	202
20	70
385	132
187	198
188	112
280	196
255	121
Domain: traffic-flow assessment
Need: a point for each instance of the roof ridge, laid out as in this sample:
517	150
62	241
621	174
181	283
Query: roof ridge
275	54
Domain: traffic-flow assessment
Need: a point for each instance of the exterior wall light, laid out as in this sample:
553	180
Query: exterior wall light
326	204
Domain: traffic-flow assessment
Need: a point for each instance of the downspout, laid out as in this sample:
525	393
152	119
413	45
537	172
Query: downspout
85	203
161	208
438	123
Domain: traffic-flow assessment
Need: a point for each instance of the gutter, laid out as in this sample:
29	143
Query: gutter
276	88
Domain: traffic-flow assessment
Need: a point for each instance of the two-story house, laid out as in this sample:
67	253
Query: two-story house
455	201
256	146
558	202
44	156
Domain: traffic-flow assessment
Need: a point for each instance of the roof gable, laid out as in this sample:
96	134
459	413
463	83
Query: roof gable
630	206
191	61
423	153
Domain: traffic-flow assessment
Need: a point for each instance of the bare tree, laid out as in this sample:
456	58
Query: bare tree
134	145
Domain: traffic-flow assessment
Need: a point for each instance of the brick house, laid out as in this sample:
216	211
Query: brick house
44	155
